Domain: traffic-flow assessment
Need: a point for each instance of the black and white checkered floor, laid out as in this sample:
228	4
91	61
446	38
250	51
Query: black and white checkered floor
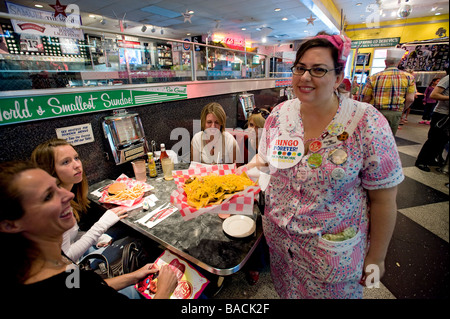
417	263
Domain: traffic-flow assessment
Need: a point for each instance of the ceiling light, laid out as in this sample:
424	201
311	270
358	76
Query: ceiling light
191	11
358	4
437	14
92	16
264	40
433	9
277	9
38	5
243	29
284	19
188	34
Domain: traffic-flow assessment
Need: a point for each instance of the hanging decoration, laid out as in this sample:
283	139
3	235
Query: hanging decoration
59	9
187	16
404	10
310	20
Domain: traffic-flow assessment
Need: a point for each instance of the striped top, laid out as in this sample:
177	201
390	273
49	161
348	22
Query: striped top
389	88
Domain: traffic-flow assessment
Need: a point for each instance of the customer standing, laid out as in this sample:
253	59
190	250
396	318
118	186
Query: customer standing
438	135
391	91
428	103
341	177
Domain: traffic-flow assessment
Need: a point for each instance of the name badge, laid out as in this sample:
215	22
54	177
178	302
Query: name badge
285	151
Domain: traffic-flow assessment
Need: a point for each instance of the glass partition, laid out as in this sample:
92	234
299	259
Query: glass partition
30	61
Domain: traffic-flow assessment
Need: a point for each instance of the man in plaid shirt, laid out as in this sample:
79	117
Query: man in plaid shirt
390	91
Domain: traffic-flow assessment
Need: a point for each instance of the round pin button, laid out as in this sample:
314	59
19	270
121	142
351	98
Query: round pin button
343	136
315	160
335	129
315	146
338	173
302	174
338	156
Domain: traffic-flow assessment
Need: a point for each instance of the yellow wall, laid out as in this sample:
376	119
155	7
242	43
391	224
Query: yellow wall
407	29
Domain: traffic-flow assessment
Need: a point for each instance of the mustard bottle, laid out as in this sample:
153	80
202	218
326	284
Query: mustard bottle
151	165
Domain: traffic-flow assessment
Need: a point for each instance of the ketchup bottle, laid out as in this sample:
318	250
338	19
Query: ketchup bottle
163	152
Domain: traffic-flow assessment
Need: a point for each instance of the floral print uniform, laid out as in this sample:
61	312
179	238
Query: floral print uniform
303	203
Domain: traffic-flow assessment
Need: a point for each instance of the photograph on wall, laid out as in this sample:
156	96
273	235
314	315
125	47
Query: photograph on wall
426	57
31	43
363	59
69	46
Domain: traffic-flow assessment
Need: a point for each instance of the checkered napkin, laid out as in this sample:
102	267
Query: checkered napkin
240	203
130	184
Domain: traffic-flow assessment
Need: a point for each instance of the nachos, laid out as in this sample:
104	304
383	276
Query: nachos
209	190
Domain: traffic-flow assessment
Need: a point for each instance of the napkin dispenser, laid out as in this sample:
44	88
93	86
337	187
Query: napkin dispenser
125	136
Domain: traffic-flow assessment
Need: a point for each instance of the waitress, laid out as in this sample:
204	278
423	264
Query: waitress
334	168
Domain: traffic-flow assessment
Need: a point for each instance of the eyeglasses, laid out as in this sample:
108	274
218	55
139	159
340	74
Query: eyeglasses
315	72
264	113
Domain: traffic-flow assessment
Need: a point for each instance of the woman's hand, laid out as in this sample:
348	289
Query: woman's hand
167	282
120	212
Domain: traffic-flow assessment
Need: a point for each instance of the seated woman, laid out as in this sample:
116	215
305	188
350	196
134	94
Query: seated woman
213	144
255	125
34	215
58	158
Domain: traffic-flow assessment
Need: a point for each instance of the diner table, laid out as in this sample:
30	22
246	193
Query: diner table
201	240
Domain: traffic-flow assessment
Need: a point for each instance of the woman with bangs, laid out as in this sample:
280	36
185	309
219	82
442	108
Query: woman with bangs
330	194
213	145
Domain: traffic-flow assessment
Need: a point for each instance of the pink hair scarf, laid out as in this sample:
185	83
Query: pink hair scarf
342	43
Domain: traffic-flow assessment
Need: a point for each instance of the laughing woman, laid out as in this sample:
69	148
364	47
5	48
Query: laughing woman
59	158
34	214
331	199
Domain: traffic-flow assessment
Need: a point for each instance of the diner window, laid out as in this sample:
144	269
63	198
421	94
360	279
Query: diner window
378	64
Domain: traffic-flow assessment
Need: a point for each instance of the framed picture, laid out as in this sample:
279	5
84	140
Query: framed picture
361	57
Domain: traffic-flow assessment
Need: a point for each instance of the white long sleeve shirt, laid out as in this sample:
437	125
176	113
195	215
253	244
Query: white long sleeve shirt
75	249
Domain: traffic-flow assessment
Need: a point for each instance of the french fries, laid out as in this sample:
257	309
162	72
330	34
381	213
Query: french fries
128	194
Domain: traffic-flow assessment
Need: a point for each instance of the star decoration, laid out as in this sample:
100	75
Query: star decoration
187	16
310	20
59	9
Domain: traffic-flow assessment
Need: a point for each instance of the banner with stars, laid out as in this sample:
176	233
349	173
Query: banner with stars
46	29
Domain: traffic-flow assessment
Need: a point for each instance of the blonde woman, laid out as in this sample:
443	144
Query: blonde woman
213	144
59	158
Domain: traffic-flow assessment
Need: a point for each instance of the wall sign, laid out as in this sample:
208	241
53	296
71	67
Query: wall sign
45	29
24	109
375	43
77	134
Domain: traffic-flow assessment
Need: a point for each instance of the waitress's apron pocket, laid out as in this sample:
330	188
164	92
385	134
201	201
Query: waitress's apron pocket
339	261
